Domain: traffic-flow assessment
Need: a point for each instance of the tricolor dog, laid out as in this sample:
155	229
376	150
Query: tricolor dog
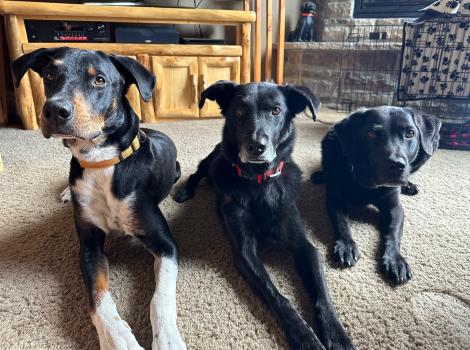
257	184
118	175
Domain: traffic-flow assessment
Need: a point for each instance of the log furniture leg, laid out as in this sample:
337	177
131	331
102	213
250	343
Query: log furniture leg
3	101
280	40
269	41
24	96
257	53
147	109
246	59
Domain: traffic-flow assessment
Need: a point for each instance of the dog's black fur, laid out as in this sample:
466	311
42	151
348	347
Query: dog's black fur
304	29
259	119
367	159
98	116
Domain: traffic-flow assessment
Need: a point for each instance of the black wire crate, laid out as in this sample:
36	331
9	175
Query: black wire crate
393	65
370	62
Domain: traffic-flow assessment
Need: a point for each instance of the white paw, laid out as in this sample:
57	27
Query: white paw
168	339
66	195
113	332
119	337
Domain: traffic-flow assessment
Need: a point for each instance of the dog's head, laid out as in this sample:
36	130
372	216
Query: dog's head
308	7
258	117
84	89
385	144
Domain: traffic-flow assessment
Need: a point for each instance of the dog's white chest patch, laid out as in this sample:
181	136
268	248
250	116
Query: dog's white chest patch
99	205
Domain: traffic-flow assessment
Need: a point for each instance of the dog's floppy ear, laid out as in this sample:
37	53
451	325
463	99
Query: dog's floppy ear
346	130
135	73
35	60
221	92
428	130
298	98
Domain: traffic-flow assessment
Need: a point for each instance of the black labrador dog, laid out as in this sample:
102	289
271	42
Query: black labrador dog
367	159
304	29
118	175
257	184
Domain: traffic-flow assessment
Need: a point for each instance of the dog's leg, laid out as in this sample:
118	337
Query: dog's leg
240	227
308	261
393	264
187	192
410	189
345	251
157	240
113	332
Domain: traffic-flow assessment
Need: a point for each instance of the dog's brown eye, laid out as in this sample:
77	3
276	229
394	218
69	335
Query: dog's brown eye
49	76
99	80
239	112
409	133
275	111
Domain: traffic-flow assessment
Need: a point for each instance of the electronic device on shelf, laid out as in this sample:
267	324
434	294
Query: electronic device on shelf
68	31
203	41
145	34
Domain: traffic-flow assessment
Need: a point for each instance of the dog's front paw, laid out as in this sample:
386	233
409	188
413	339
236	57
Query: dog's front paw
345	252
184	194
410	189
338	339
396	269
168	338
341	345
66	195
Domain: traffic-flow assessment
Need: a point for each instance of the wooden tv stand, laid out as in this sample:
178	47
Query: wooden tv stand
175	97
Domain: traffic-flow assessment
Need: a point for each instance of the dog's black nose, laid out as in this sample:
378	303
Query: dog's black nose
397	165
60	110
256	148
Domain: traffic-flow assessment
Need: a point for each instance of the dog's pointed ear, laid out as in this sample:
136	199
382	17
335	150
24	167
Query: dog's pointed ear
135	73
299	98
221	92
35	60
346	130
429	128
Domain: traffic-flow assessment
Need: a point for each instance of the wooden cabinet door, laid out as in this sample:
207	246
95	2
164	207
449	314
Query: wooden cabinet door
212	69
176	92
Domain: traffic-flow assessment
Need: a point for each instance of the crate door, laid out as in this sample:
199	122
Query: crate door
212	69
176	91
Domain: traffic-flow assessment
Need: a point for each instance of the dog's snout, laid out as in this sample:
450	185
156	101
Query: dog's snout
57	109
397	165
256	148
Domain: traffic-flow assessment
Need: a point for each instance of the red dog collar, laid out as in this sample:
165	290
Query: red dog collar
267	176
307	14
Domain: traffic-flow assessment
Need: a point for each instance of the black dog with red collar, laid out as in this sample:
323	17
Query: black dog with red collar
257	184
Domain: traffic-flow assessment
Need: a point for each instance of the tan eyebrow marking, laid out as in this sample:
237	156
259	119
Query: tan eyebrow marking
58	62
91	70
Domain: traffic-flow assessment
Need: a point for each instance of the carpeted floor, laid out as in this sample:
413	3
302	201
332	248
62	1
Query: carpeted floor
42	304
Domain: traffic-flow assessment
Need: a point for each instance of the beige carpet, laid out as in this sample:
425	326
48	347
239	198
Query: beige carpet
42	304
